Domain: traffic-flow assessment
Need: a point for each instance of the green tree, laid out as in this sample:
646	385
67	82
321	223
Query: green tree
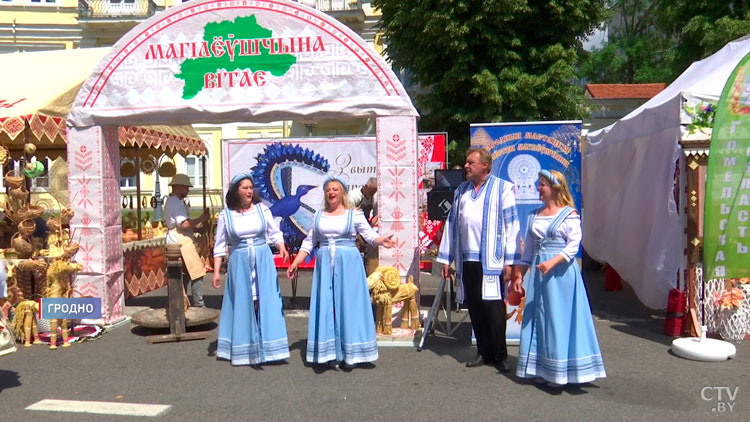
637	49
656	40
489	60
701	27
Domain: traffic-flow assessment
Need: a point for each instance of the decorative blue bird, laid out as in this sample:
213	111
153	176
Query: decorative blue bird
272	175
288	205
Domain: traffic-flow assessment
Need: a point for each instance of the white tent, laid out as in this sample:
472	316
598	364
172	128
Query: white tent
631	219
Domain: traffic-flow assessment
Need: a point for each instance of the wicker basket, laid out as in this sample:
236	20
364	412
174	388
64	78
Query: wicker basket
32	265
13	181
22	245
65	215
53	224
19	193
27	227
35	211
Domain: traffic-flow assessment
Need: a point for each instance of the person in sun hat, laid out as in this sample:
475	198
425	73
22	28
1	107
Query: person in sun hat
181	230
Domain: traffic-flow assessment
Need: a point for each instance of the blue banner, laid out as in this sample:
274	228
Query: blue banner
519	151
70	308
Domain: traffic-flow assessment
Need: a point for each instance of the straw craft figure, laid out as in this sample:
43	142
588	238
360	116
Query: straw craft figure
59	284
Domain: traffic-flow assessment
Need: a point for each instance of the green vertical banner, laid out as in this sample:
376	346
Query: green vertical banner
727	207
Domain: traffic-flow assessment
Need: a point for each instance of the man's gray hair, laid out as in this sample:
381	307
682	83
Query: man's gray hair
372	182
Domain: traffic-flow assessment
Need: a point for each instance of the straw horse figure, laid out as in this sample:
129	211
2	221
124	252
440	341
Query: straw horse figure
59	284
24	322
385	290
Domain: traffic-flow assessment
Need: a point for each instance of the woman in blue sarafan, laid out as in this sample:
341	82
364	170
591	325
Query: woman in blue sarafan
558	340
252	329
341	330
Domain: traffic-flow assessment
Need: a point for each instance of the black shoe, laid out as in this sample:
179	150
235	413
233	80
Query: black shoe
503	366
478	361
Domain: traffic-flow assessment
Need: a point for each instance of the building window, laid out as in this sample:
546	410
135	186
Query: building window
194	170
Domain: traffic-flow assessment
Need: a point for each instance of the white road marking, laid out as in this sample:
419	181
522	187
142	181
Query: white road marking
100	407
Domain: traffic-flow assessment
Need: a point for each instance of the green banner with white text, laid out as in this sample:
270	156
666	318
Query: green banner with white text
727	206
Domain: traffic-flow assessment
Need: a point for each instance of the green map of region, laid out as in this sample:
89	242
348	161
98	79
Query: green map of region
192	71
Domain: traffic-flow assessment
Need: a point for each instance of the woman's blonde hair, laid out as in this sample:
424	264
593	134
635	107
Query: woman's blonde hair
562	193
344	200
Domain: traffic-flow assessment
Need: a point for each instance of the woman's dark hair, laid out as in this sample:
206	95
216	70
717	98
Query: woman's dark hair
233	195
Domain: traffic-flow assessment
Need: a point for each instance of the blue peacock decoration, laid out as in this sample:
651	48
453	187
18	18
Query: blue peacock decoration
272	176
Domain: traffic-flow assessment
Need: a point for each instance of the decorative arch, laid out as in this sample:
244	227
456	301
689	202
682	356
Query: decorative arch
221	61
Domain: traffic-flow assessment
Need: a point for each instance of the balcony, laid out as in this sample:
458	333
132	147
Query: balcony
114	9
349	12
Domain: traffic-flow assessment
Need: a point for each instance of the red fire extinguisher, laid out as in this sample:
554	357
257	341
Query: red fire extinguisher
675	308
612	280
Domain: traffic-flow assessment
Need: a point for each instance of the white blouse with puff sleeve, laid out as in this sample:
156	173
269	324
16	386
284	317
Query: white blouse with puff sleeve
569	230
247	225
335	226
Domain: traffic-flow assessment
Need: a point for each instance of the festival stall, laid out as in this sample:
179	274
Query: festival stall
644	189
33	131
226	61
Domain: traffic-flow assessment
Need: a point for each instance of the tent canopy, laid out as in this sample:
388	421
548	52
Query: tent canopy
215	61
629	172
40	88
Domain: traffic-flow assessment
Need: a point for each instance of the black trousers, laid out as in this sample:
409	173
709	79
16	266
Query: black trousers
487	316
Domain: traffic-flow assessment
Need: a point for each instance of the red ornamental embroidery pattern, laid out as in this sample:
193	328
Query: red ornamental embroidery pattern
84	192
83	159
88	290
397	226
86	251
425	153
86	230
398	255
397	183
395	150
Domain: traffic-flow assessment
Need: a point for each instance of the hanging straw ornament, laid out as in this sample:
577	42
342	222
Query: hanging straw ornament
4	155
167	169
127	169
148	164
29	149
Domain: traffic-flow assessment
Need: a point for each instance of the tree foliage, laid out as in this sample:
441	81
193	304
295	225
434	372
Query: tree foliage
656	40
489	60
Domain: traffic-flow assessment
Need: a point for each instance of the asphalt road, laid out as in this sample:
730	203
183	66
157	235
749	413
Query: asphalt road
645	381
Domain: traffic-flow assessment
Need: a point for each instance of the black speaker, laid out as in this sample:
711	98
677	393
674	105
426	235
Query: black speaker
439	204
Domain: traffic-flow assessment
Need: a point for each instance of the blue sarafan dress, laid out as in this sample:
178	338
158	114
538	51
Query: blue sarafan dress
558	339
250	336
342	326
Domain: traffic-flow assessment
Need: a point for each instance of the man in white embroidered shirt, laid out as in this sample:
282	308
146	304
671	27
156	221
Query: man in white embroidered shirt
482	238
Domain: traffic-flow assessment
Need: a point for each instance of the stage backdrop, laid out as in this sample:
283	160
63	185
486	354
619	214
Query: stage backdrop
519	152
289	173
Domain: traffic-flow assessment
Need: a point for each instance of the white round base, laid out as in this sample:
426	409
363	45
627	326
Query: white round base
706	350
